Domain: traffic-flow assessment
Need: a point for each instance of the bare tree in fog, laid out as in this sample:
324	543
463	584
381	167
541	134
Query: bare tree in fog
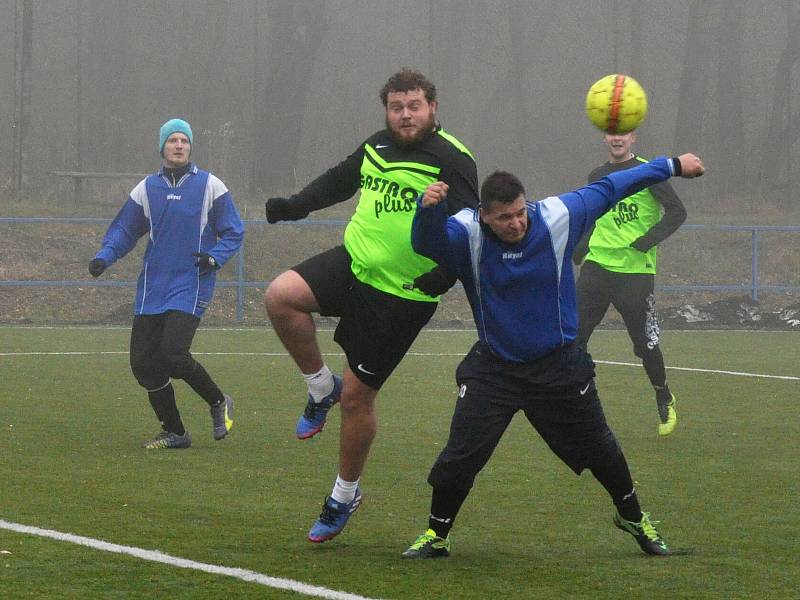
296	31
784	127
23	35
694	82
731	149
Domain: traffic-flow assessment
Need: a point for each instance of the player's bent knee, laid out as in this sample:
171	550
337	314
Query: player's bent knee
289	292
180	365
606	450
600	450
443	476
273	295
146	371
644	350
149	379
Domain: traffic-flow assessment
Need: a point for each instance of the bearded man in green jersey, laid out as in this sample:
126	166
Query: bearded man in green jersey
382	291
619	268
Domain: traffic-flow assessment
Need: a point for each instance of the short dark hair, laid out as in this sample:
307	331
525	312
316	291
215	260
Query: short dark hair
407	80
501	186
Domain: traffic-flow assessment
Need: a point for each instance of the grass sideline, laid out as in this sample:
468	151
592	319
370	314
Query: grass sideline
71	426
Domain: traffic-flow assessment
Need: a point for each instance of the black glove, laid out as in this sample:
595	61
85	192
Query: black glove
436	282
205	261
640	245
284	209
97	266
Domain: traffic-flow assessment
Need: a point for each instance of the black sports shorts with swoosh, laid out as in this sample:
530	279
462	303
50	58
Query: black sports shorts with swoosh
375	329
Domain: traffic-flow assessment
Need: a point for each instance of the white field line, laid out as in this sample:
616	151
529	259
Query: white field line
715	371
183	563
257	328
429	354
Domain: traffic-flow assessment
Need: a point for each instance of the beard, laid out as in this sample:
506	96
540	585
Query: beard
424	130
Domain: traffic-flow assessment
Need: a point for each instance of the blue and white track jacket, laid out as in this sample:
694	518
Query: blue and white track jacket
523	295
196	215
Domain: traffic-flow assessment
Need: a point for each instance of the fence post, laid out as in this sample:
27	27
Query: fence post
77	189
240	286
754	265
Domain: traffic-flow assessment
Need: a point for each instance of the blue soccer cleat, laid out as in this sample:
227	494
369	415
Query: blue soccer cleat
315	415
333	518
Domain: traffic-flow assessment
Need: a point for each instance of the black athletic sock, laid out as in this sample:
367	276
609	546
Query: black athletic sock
653	363
163	403
628	507
663	395
200	381
615	477
445	504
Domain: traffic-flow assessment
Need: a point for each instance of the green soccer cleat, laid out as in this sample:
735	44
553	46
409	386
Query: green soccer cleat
668	416
428	545
645	534
222	417
168	440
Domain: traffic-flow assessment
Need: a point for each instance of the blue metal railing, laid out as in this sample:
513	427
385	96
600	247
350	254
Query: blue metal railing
754	287
239	282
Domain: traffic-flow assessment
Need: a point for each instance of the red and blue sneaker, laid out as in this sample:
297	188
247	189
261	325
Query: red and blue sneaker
315	415
333	518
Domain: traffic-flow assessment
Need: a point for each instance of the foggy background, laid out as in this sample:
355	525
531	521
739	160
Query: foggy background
278	91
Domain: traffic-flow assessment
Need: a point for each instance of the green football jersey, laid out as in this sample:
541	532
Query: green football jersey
378	236
627	221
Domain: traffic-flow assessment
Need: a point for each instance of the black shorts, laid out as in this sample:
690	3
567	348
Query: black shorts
557	395
630	293
375	329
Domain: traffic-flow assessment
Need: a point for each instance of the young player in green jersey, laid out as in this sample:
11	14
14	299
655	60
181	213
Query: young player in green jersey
382	291
619	268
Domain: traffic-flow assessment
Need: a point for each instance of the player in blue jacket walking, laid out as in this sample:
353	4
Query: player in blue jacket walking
513	258
193	229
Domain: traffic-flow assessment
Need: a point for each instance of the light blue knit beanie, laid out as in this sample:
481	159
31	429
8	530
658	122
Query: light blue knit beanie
170	127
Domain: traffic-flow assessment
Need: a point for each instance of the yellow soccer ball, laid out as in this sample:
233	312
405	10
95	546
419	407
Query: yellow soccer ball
616	104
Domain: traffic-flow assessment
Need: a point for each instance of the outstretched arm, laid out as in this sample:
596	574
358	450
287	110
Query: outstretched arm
588	203
629	181
690	166
337	184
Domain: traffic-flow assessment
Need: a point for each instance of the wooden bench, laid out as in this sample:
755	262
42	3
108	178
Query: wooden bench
78	178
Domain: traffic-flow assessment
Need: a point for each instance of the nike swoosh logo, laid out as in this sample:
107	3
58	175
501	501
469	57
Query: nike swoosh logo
586	389
379	146
363	370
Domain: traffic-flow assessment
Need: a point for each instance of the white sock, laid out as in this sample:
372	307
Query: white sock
344	491
320	384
